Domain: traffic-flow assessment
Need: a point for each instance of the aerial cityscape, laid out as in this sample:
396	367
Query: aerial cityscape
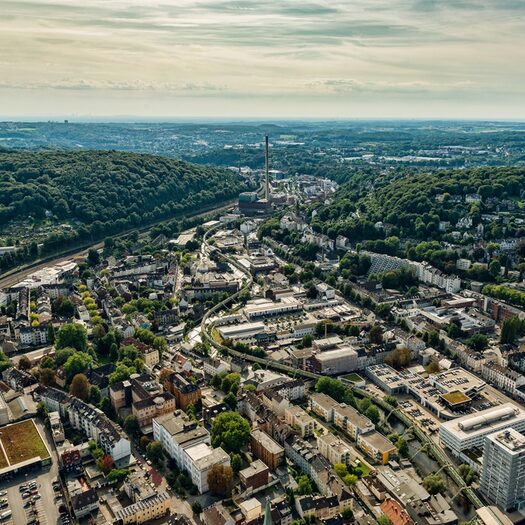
241	287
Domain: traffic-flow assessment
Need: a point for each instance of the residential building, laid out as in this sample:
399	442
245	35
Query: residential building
255	476
377	447
198	461
323	406
351	421
266	449
177	432
503	475
335	450
186	393
299	419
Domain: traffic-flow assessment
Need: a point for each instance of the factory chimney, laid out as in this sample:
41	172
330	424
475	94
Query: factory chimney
267	179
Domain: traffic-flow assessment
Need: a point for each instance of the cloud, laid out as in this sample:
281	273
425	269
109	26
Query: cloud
247	48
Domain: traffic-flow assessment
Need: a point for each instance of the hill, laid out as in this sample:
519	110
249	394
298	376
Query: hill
62	197
413	204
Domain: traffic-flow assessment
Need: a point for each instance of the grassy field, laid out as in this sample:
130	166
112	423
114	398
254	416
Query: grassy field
22	441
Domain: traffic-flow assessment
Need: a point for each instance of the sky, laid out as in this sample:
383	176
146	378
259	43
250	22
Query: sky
243	59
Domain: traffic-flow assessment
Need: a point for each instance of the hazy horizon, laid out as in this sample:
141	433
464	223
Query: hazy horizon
246	60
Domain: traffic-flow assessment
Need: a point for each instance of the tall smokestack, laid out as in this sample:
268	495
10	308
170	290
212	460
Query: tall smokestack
267	180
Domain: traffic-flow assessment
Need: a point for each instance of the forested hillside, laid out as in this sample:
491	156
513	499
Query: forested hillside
101	192
414	203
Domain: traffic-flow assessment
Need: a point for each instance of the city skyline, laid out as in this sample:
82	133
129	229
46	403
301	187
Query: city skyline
244	59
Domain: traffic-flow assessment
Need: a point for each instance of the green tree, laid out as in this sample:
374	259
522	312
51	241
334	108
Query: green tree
117	475
235	461
477	342
131	425
24	363
304	485
230	400
230	431
372	413
434	484
376	335
196	507
94	395
229	380
77	364
72	335
155	452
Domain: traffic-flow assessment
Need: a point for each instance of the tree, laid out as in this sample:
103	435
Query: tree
196	507
41	410
63	355
391	400
220	479
433	367
93	258
76	364
131	425
72	335
341	469
331	387
235	461
63	307
117	475
230	431
399	358
229	380
372	413
468	474
510	330
51	333
304	485
350	479
155	452
106	464
376	335
94	395
477	342
24	363
434	484
47	376
144	442
80	387
230	400
402	446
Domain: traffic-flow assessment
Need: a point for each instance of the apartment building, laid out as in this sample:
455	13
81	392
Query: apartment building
266	449
323	406
198	461
335	450
176	433
299	419
351	421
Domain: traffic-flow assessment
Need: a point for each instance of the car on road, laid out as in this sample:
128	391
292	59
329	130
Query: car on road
36	496
5	515
3	493
26	494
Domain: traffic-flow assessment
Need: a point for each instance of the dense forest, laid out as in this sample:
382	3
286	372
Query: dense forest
413	203
103	192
